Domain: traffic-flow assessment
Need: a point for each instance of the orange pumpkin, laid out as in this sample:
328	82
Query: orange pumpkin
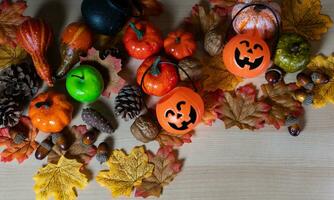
180	111
76	39
258	17
161	78
50	112
180	44
247	55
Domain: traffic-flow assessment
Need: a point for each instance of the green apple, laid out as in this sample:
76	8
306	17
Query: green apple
84	83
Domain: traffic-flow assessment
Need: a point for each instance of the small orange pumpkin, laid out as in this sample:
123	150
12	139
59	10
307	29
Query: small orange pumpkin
247	55
50	112
180	44
256	17
76	39
180	111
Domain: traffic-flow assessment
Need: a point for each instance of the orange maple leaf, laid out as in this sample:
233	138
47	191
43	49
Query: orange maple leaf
10	18
21	151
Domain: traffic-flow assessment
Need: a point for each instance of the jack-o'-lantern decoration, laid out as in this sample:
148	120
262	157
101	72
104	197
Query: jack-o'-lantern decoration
247	55
180	110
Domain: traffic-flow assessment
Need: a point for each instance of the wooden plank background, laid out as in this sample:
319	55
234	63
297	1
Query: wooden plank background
219	164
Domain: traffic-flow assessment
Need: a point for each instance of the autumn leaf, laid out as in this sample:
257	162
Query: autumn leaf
204	19
10	18
212	100
166	167
125	171
283	104
5	139
148	7
241	109
304	18
59	180
23	150
11	55
223	3
77	150
216	76
323	93
113	82
167	139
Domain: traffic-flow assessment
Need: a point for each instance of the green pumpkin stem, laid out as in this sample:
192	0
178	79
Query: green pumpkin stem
155	71
46	104
139	33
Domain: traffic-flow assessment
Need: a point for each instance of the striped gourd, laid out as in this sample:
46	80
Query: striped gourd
35	36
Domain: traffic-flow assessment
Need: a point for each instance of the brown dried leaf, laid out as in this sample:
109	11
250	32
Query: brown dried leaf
167	139
81	152
216	76
241	109
166	167
283	104
304	17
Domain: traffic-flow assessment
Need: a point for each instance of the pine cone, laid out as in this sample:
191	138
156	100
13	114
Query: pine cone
10	112
129	102
20	81
96	120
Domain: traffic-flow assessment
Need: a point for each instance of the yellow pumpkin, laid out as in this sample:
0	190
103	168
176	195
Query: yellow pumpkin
258	17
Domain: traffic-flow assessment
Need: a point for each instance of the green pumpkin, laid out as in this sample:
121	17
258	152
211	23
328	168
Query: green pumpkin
292	53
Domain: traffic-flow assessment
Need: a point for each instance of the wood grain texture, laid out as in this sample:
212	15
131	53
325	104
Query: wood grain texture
219	164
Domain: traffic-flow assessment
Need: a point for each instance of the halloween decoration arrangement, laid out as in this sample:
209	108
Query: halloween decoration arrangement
239	40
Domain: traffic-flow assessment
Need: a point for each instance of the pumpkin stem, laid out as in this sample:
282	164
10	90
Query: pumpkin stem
46	104
139	33
80	77
178	40
155	71
258	8
295	48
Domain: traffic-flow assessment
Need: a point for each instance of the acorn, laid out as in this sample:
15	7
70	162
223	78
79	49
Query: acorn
90	137
102	154
303	80
291	120
60	140
144	128
274	75
304	97
294	130
319	78
44	149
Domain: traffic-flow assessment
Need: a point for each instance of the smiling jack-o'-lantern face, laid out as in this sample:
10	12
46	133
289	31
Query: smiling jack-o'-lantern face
246	55
180	110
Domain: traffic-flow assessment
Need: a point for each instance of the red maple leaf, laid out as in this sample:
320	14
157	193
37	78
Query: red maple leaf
23	150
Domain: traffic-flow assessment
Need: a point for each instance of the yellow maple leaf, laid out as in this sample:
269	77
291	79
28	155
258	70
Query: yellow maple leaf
59	180
125	171
304	17
323	93
216	76
11	55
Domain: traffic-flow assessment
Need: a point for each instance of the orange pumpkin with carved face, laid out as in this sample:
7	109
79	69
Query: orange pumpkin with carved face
247	55
180	111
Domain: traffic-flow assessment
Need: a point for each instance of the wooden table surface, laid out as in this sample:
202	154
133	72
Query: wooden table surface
219	164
